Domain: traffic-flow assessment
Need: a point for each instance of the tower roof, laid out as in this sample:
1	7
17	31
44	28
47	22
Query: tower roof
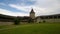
32	11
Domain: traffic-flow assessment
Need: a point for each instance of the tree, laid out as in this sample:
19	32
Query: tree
44	21
17	21
30	20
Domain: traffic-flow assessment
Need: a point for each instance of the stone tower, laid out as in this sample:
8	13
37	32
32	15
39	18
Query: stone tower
32	14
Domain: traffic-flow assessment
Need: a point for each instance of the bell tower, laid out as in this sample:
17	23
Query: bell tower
32	14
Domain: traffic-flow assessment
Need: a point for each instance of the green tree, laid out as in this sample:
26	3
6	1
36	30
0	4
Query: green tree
17	21
30	20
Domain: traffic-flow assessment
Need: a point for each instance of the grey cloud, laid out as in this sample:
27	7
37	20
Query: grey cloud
52	6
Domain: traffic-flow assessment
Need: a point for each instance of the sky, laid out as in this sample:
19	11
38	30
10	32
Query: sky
23	7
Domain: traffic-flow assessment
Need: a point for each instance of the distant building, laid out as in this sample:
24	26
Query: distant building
32	14
49	18
38	19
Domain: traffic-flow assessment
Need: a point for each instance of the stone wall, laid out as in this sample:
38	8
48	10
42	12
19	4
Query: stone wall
52	20
6	23
49	20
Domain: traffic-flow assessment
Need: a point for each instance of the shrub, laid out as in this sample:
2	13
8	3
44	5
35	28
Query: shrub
39	22
16	21
44	21
30	20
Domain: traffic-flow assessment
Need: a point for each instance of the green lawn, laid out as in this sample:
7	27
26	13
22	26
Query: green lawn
32	29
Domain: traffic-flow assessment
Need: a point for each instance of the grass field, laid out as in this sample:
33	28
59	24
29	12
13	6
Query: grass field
31	29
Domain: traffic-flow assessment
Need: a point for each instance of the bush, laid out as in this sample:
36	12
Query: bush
16	21
39	22
44	21
30	20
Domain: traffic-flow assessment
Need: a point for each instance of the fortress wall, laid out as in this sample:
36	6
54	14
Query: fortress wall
6	23
10	23
52	20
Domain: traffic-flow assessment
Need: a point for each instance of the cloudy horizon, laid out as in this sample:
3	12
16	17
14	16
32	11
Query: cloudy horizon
23	7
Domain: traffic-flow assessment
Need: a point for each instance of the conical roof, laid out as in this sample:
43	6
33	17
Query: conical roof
32	11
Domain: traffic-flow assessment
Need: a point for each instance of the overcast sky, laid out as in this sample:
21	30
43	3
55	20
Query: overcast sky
23	7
